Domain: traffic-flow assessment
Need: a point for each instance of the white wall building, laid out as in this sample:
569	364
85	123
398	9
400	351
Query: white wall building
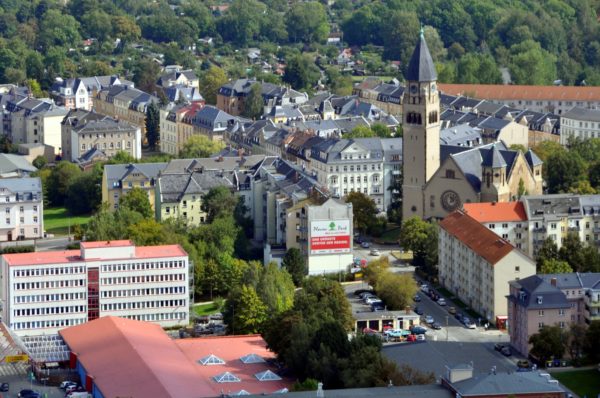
22	206
45	292
579	123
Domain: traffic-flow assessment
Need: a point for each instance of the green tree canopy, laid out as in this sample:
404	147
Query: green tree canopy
549	342
276	289
245	313
301	72
364	210
253	105
219	202
554	266
200	146
210	82
136	199
61	177
152	125
420	237
295	263
307	22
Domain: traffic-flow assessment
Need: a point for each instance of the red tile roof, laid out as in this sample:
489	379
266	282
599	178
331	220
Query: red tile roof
475	236
106	243
137	359
71	256
496	212
515	92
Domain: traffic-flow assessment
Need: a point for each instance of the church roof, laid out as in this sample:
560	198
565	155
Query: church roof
494	159
421	67
532	159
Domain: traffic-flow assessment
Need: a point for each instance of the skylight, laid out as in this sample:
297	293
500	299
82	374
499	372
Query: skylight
242	392
226	378
211	360
267	375
252	358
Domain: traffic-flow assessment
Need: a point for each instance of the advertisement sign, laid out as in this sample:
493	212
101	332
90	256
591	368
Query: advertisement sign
16	358
330	237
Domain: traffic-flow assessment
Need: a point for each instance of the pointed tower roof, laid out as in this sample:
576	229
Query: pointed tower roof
421	67
532	158
494	158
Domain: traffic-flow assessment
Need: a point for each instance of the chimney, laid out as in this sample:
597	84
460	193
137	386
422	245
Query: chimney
553	282
320	392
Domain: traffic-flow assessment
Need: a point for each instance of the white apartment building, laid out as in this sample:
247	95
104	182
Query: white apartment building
579	123
366	165
43	293
476	265
22	205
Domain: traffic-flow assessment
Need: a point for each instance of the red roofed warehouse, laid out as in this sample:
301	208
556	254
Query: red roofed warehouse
476	264
118	357
44	292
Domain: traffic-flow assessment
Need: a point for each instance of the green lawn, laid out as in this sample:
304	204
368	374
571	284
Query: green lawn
56	220
206	309
581	382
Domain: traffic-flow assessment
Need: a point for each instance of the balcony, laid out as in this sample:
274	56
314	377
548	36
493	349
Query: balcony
574	229
540	229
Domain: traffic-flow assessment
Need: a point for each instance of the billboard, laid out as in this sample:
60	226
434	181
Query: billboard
330	237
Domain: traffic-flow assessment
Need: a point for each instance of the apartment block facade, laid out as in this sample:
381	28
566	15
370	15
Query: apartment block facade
476	265
43	293
22	205
118	179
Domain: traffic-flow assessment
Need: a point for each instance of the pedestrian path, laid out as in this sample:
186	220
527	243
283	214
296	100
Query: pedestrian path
13	369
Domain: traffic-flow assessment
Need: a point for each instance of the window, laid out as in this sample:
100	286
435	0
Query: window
35	208
492	226
7	210
561	312
517	268
21	209
561	325
541	312
504	225
541	325
450	174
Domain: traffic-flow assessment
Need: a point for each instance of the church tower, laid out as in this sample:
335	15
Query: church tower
421	127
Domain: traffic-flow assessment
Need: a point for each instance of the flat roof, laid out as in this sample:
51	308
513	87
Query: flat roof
106	243
74	256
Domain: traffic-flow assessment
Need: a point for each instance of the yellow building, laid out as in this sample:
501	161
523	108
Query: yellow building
118	179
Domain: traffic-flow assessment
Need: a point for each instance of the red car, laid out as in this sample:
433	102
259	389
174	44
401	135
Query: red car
411	337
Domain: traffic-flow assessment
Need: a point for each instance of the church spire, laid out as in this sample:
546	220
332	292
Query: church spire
421	67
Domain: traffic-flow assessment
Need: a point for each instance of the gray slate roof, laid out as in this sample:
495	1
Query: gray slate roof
494	159
421	67
116	172
461	135
506	384
10	163
577	113
172	187
538	293
24	185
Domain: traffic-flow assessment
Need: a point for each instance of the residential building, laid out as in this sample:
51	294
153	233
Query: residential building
125	103
117	179
210	122
323	232
176	126
113	278
581	123
79	93
506	219
177	77
32	151
363	165
554	99
551	300
183	94
437	179
476	265
85	130
179	196
12	165
197	367
23	207
29	120
460	381
232	96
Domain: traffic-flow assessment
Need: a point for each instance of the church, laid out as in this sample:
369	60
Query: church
438	179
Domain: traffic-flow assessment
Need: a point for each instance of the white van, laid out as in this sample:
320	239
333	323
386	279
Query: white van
79	394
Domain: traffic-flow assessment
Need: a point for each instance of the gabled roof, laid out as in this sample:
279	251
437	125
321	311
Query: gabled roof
532	158
522	92
493	159
14	163
421	67
505	384
478	238
496	212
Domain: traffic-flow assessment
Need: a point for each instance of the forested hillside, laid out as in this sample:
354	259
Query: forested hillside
538	41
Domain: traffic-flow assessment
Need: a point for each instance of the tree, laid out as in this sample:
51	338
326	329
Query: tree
242	21
200	146
61	177
152	125
339	83
245	313
218	202
564	169
253	105
376	270
125	28
576	341
554	266
548	251
39	162
400	33
381	130
276	289
301	72
136	199
531	64
396	290
210	82
571	251
146	232
307	22
420	237
295	263
58	29
108	225
360	132
548	343
364	210
145	74
84	193
592	337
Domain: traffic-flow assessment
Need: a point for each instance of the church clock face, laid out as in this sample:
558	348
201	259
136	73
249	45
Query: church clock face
450	200
413	88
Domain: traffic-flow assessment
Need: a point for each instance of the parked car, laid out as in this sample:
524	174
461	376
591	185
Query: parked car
28	394
365	245
429	319
469	323
506	351
418	329
452	310
499	346
372	299
411	337
459	316
418	311
424	288
360	292
441	301
67	383
420	337
396	332
4	387
374	252
417	298
436	326
367	294
523	364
